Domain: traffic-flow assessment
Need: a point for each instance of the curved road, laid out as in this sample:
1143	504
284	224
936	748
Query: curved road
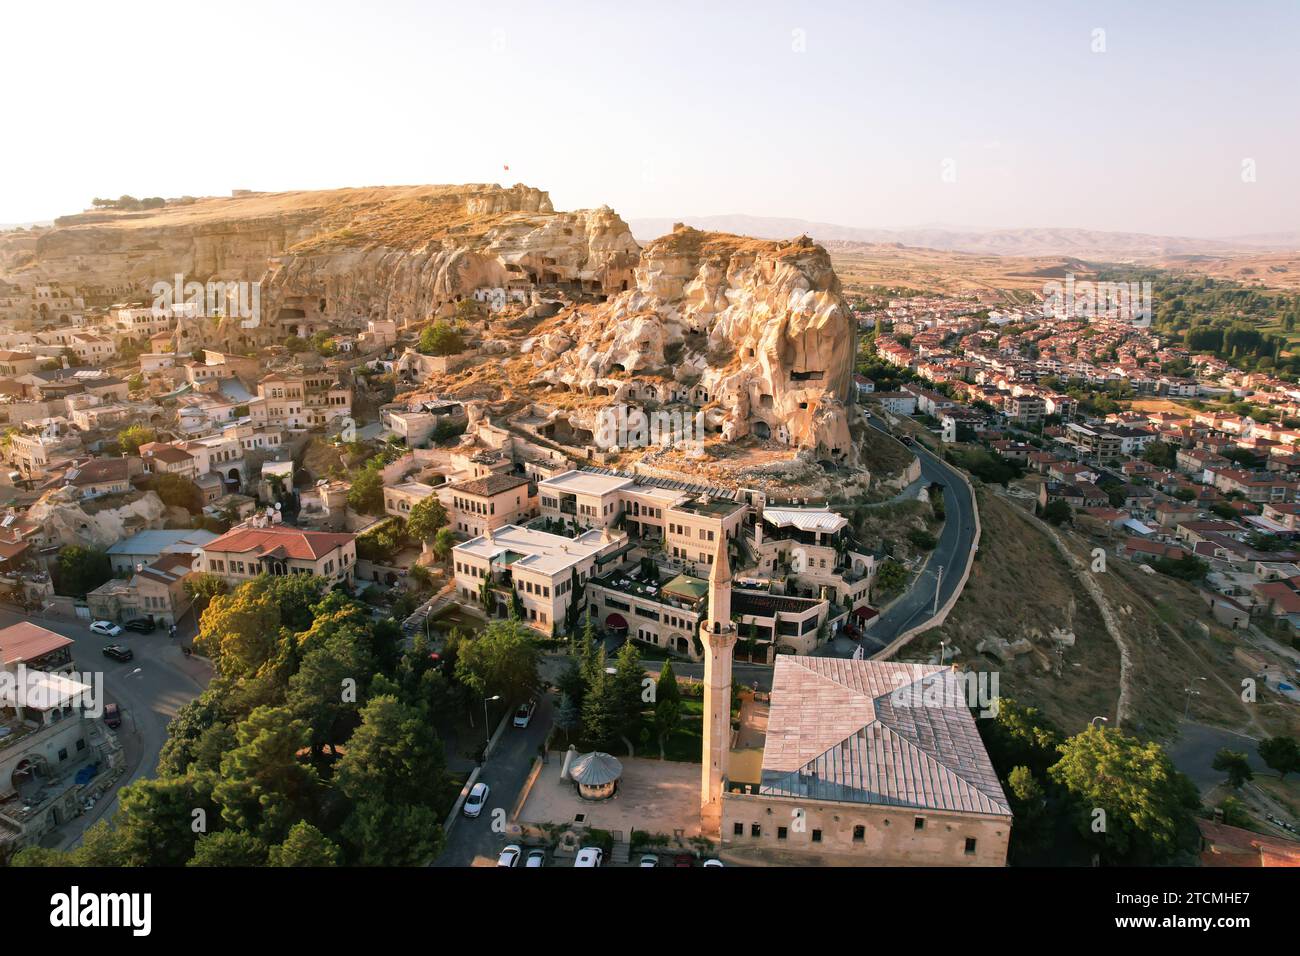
952	554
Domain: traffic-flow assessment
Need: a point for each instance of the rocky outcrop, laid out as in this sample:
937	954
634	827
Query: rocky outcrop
342	256
67	519
754	332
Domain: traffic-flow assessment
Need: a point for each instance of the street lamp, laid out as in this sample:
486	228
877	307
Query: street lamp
1189	693
487	730
937	585
1093	722
943	650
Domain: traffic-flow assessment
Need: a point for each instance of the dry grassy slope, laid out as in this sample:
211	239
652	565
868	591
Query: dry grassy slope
931	271
1021	587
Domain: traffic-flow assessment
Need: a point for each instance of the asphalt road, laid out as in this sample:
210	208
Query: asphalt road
951	554
149	690
504	773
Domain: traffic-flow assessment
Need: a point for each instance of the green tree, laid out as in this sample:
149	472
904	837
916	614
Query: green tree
227	848
133	436
443	542
264	787
426	517
891	577
366	495
1235	765
502	660
1147	806
668	706
626	694
203	587
568	716
80	570
304	846
1058	512
1281	754
600	706
440	339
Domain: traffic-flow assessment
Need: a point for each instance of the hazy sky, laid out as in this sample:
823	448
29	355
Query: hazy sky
839	112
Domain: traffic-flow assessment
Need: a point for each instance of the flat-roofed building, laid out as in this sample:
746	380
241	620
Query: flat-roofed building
694	524
627	603
536	567
584	498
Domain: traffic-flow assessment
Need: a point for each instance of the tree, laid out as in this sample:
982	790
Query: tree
1281	754
626	693
304	846
203	587
133	436
1235	765
599	708
367	492
443	542
1058	512
394	772
80	570
891	577
238	632
1147	806
177	491
568	716
502	660
426	518
440	339
264	789
668	706
228	848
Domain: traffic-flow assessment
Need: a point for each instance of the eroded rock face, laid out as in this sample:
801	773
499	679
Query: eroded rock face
342	256
756	332
67	519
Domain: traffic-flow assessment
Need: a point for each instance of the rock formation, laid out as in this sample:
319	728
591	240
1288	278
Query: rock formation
755	332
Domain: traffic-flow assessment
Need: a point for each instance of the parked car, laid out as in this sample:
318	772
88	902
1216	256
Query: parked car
536	858
589	856
524	715
119	653
509	856
141	625
113	715
713	863
649	859
683	860
476	800
107	628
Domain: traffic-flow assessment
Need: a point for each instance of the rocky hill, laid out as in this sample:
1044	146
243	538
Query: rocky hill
754	332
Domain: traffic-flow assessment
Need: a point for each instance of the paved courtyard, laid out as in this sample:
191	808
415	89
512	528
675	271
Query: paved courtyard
657	796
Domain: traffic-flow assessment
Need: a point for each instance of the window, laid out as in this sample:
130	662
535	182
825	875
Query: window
817	836
859	833
738	829
970	846
755	830
918	823
782	832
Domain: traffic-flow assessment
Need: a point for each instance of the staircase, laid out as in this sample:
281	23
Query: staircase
622	852
436	603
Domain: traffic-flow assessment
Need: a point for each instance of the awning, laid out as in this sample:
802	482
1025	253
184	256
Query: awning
616	620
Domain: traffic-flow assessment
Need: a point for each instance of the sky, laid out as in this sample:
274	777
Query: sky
1175	118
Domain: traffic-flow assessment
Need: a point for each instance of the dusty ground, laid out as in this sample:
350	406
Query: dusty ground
657	796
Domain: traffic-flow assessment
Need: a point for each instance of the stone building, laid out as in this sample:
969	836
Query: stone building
867	763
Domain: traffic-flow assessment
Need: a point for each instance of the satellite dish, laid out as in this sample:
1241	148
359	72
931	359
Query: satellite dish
277	506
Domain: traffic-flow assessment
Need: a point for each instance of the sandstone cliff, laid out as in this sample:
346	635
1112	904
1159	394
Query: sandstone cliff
755	332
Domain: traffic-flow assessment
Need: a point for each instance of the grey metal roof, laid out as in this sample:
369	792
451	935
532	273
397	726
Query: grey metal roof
596	769
876	732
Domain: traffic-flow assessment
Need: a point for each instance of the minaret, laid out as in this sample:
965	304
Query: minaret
719	639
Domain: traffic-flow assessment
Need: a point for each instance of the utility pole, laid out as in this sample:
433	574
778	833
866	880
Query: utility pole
937	585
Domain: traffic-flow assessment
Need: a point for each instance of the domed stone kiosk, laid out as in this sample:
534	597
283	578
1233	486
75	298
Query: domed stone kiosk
596	775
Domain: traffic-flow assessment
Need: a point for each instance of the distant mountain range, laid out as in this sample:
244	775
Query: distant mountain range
1083	243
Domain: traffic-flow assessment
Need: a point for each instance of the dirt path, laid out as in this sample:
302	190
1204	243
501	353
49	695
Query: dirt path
1108	616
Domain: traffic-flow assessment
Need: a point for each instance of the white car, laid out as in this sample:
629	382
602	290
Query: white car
524	715
649	859
476	800
509	856
713	863
107	628
589	856
535	858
